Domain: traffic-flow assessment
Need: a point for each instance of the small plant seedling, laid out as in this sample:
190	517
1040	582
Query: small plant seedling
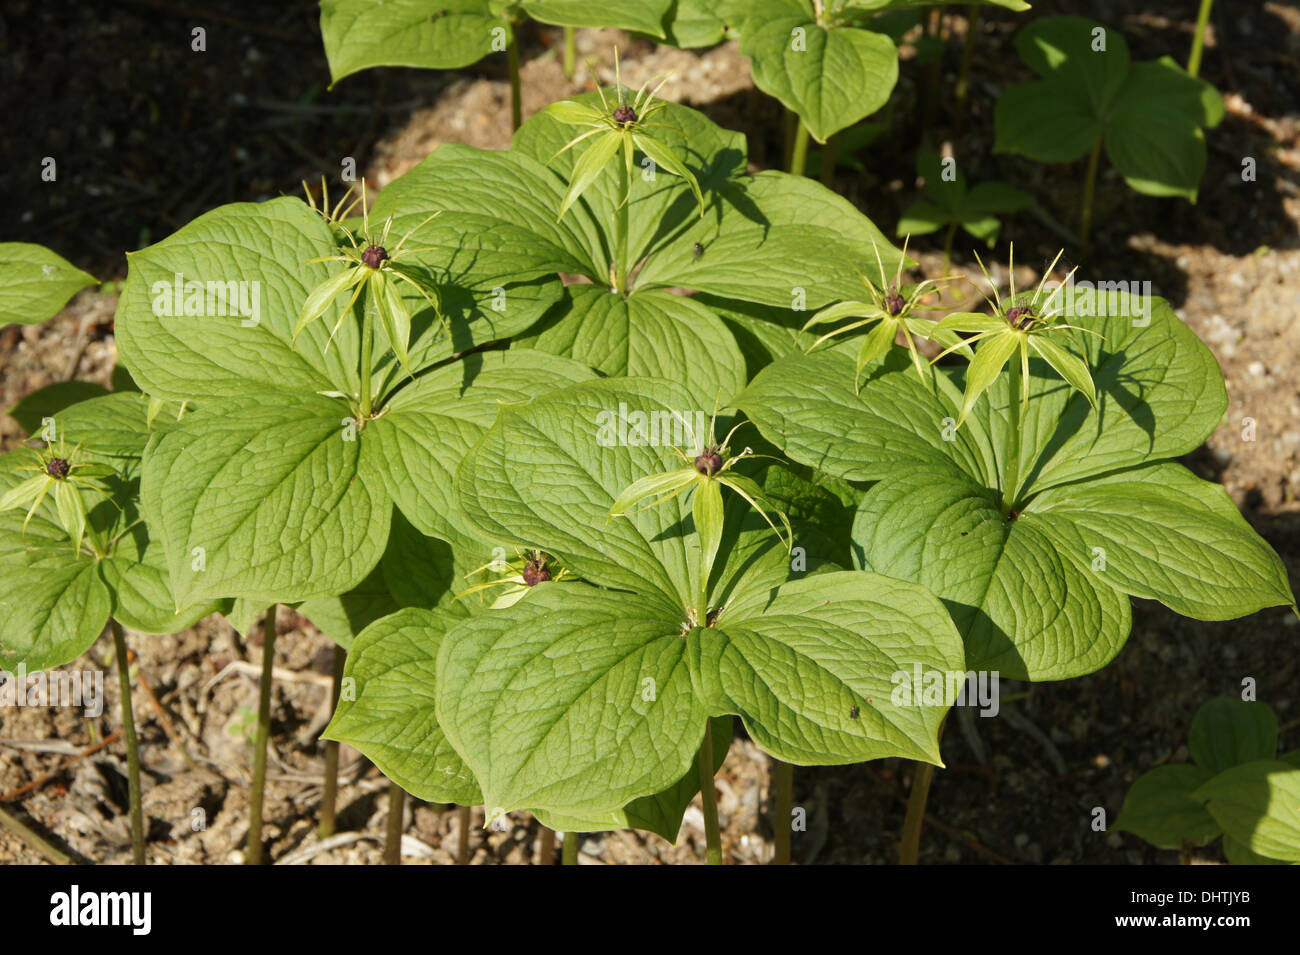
1149	116
1236	786
949	204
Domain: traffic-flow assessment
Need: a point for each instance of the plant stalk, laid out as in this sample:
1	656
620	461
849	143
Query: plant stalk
367	358
709	798
1015	421
546	847
33	839
570	53
512	63
783	805
621	228
254	854
799	151
1198	41
132	744
947	246
570	851
909	847
1089	189
330	799
396	814
462	845
830	156
973	16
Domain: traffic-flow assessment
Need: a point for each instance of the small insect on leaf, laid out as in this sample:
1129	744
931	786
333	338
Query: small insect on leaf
699	251
853	713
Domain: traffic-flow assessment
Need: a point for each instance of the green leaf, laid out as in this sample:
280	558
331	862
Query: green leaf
990	358
661	813
652	334
695	23
642	16
1067	365
432	34
136	572
1228	732
709	516
1258	805
591	163
272	497
1160	809
664	156
594	698
393	664
114	426
35	283
232	329
547	474
50	400
430	425
1166	534
831	77
521	237
1024	604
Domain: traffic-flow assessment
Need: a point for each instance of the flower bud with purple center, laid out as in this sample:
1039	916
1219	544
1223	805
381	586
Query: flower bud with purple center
57	468
624	115
374	256
709	463
1020	316
895	303
536	572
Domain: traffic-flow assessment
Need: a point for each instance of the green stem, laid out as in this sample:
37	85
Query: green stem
621	228
1198	41
1015	419
570	53
512	62
33	839
1089	189
709	797
783	805
330	799
799	152
947	246
367	357
396	812
132	744
973	15
462	847
254	854
570	853
789	128
830	156
909	847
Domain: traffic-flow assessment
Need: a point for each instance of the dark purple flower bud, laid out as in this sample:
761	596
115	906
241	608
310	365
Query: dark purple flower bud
374	256
624	115
1020	316
57	468
536	572
894	303
709	463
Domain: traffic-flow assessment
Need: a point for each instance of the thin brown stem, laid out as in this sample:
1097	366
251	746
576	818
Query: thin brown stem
132	744
462	847
396	814
330	798
254	854
783	805
546	847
